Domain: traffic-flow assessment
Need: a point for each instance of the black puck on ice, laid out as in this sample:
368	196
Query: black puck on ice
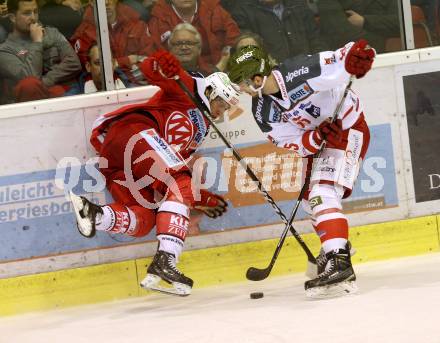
257	295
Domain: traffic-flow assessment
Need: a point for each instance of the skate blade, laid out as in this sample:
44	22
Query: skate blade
151	282
83	224
333	291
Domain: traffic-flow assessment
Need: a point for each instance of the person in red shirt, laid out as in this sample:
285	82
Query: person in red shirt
214	23
144	149
129	37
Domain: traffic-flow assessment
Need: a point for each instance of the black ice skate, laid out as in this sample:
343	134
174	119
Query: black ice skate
163	267
321	261
86	214
338	277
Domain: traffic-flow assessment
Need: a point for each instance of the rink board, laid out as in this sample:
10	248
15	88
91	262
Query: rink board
208	267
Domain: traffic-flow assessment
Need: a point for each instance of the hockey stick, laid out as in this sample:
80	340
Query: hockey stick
256	274
254	178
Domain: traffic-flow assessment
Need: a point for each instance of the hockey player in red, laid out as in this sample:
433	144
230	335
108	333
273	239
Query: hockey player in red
144	148
292	104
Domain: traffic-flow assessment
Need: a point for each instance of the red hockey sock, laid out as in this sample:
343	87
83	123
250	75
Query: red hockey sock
332	229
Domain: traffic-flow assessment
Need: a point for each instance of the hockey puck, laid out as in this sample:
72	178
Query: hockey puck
257	295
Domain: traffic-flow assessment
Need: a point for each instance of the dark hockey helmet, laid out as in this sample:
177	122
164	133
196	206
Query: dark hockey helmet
247	62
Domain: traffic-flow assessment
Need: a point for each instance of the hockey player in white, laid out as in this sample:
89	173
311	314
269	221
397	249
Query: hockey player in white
293	104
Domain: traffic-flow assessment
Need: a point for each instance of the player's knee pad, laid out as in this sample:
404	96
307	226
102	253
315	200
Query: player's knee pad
324	197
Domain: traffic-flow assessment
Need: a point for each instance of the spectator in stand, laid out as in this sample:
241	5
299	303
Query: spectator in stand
342	21
143	7
250	38
65	15
215	25
287	26
185	43
4	20
431	10
129	38
35	62
90	81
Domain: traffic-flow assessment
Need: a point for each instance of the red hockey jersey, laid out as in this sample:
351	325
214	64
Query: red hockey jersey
176	117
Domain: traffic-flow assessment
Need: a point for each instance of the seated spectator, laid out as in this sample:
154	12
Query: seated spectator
4	21
250	38
143	7
90	81
129	39
342	21
185	43
65	15
35	62
287	26
215	25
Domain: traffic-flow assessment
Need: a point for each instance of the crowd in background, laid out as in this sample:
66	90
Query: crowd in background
48	48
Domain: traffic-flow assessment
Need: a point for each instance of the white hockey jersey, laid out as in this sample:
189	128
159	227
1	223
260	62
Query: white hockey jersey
311	88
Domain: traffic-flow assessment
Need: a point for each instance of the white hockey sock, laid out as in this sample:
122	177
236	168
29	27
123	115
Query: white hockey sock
170	244
119	219
333	244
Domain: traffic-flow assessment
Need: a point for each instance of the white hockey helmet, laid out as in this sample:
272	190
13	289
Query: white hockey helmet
222	87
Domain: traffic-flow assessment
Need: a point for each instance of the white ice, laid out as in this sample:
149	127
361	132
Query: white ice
399	302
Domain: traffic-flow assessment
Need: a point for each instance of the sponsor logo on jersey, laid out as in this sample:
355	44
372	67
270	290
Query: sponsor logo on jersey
342	53
289	114
330	60
314	111
275	115
202	130
162	148
304	105
301	71
244	57
299	93
281	84
258	115
179	130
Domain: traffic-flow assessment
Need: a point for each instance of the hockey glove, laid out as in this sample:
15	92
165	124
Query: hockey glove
360	58
330	132
211	204
167	63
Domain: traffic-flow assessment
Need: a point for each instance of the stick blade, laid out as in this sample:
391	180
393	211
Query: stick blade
255	274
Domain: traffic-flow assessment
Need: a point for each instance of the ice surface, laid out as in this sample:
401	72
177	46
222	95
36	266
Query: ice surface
399	302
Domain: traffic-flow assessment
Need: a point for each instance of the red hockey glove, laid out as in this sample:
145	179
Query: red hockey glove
167	63
211	204
330	132
360	58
